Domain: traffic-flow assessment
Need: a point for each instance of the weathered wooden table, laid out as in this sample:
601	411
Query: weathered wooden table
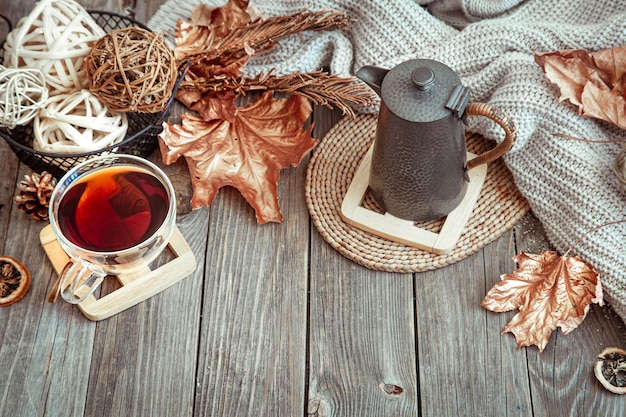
274	322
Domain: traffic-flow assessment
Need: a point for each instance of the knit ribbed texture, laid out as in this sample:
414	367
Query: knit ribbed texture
569	184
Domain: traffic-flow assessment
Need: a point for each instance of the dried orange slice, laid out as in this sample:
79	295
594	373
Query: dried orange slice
14	280
610	369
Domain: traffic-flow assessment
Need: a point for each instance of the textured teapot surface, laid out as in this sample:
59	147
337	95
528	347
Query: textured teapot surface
419	160
423	91
418	164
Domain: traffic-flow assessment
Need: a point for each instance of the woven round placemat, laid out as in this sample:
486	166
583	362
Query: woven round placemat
329	174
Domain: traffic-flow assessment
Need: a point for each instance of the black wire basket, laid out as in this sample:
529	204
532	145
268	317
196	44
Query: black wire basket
141	136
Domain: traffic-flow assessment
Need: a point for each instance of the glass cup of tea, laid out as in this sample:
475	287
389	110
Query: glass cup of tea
112	215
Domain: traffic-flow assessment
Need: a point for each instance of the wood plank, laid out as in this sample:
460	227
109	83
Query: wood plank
144	358
466	367
362	355
508	388
46	348
137	363
253	335
251	355
561	377
8	188
45	353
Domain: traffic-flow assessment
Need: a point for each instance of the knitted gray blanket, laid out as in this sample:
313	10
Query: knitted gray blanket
569	184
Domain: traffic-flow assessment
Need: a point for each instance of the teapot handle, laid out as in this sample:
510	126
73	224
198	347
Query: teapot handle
498	116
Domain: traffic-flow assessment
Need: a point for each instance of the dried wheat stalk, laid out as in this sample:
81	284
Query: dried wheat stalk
263	34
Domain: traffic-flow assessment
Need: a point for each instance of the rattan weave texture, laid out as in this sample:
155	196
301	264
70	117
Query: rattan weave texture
330	172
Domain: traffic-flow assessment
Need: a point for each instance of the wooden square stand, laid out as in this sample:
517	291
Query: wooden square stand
136	287
405	231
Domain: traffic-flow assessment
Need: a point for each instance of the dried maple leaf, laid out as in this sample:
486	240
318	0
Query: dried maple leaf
208	26
592	81
246	153
192	38
229	42
549	290
246	147
222	19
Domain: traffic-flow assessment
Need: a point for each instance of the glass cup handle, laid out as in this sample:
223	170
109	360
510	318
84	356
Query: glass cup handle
79	281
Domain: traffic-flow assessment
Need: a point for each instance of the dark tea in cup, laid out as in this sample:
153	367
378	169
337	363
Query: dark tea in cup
113	208
112	214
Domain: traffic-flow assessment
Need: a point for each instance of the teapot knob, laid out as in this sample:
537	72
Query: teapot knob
423	78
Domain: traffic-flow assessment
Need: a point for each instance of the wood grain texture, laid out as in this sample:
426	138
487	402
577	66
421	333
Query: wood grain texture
506	370
46	349
253	331
466	367
144	358
8	181
561	377
362	349
362	354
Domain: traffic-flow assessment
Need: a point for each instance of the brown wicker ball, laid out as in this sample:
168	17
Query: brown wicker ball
132	70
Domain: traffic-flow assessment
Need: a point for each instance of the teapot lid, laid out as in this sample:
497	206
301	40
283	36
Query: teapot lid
423	90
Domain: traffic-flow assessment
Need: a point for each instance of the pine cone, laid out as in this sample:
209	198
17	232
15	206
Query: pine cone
35	192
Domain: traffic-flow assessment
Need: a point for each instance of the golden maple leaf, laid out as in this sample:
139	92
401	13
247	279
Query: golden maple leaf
246	152
246	147
550	291
209	27
594	82
206	31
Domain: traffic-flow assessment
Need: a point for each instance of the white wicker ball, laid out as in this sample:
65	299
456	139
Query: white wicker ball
76	123
23	93
54	37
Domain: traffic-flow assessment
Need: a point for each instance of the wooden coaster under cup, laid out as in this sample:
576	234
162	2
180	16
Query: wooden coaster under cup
136	287
405	231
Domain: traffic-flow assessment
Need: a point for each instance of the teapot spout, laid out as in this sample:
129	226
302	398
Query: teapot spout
372	76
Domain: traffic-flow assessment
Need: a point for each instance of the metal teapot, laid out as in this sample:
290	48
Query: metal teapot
419	164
